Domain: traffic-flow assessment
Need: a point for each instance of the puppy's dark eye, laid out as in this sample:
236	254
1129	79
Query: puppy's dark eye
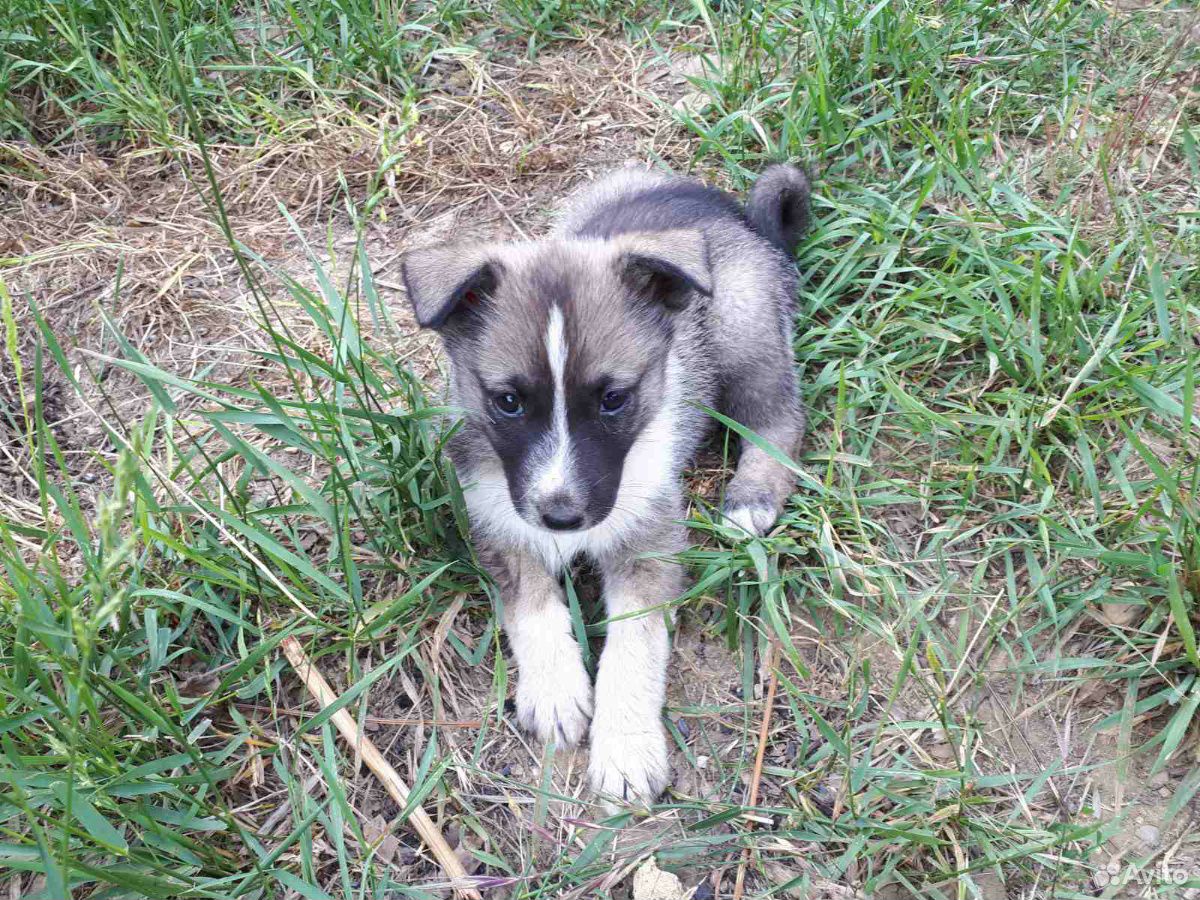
613	401
508	404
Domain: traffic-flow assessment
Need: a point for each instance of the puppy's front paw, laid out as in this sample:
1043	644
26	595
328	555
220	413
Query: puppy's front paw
629	767
554	700
753	518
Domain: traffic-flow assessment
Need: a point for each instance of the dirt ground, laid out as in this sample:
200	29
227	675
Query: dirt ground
493	148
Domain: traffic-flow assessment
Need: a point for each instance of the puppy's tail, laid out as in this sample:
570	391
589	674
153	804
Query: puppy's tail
778	205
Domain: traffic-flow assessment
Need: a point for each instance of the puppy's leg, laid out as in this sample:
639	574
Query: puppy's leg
628	746
554	694
763	396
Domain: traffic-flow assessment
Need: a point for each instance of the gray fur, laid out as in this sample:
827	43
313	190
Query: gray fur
577	362
778	206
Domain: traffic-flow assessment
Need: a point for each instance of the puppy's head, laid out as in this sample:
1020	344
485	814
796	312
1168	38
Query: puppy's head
559	352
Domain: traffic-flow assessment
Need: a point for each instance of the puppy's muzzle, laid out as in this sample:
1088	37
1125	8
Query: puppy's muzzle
561	512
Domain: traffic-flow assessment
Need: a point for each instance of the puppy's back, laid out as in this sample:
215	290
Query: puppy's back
628	201
633	200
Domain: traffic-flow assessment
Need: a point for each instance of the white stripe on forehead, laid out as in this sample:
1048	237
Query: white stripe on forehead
556	350
558	465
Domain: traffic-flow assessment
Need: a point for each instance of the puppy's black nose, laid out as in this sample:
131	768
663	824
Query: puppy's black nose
560	514
562	522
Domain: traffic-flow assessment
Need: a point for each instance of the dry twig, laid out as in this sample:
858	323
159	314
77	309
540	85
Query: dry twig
764	729
362	745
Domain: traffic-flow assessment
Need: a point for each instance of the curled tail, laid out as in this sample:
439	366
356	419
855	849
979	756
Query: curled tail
778	205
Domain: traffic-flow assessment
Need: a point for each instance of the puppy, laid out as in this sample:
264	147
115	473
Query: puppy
578	363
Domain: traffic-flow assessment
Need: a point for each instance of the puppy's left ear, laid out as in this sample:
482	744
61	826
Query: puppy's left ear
667	267
448	281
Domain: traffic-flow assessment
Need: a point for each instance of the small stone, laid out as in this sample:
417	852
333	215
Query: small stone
942	752
701	762
1148	835
989	886
692	103
1121	615
652	883
690	67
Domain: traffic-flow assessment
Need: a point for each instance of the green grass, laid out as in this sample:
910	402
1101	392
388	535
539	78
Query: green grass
997	335
105	68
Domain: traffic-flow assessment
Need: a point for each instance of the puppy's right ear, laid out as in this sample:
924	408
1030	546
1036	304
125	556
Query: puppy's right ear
446	280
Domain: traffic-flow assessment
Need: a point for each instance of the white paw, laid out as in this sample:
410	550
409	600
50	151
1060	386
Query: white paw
628	767
754	520
554	700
